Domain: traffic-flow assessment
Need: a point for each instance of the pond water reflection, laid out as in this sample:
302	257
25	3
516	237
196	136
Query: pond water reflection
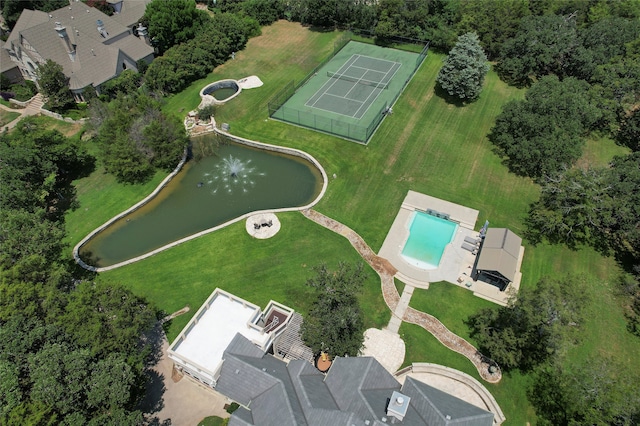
207	193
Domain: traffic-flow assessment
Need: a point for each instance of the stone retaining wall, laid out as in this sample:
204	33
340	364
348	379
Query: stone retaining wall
290	151
148	198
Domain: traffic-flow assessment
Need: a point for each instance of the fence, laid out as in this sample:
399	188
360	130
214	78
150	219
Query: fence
355	132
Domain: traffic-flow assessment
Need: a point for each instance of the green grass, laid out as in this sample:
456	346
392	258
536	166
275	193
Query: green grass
100	198
451	304
427	145
256	270
7	116
600	152
510	392
212	421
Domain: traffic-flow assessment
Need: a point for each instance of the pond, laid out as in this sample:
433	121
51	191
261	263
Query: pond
207	193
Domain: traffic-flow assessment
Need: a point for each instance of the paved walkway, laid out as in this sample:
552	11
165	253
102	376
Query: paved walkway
400	305
172	398
386	347
32	109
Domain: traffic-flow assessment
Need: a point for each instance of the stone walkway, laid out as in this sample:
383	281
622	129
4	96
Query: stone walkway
33	108
400	305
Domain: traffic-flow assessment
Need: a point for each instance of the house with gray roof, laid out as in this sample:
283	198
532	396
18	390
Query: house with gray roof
8	68
91	47
500	257
355	391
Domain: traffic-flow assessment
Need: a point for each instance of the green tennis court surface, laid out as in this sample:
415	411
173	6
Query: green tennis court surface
350	95
352	89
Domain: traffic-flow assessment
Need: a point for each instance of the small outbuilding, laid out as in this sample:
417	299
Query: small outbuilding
500	258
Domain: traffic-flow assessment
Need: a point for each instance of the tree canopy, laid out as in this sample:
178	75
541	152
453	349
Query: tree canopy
535	326
54	85
597	391
542	46
71	352
599	207
463	72
172	22
136	138
335	322
545	132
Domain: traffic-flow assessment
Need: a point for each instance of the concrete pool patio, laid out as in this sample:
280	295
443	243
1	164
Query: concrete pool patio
456	264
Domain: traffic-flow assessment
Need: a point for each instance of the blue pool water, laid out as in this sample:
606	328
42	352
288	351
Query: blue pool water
428	236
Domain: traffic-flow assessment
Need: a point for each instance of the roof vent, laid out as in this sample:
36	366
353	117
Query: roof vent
448	417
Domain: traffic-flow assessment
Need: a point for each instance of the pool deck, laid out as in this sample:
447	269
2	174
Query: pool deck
456	263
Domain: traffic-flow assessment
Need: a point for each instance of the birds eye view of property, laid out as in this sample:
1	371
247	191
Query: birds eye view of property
320	212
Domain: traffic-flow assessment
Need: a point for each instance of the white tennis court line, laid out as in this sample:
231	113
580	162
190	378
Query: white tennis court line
347	64
338	113
377	94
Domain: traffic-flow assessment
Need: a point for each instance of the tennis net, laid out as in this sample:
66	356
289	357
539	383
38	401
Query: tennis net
375	84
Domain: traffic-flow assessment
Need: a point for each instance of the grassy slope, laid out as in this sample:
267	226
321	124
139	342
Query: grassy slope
7	116
427	145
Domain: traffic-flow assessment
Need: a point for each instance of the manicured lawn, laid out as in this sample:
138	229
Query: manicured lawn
256	270
510	392
7	116
212	421
426	145
451	304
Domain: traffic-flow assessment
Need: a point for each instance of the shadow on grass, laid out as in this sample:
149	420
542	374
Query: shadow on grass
451	100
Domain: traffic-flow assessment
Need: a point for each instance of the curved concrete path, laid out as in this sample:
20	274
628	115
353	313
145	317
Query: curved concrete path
400	305
455	383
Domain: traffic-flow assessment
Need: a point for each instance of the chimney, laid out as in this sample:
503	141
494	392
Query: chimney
62	33
103	32
143	34
398	405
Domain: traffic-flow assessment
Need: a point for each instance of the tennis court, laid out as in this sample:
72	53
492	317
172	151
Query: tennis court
352	89
350	93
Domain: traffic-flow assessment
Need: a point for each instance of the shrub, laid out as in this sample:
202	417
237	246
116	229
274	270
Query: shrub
7	95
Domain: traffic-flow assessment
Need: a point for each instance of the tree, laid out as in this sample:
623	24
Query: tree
107	318
335	322
479	16
54	85
172	22
544	133
600	43
599	207
463	72
629	132
135	137
11	9
574	208
597	391
543	45
535	326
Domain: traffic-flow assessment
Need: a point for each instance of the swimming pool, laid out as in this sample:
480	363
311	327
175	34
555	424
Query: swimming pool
428	237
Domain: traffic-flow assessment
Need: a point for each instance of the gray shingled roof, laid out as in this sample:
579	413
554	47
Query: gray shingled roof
97	55
354	391
434	405
500	251
5	60
132	11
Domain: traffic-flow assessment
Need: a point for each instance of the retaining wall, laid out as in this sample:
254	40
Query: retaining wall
290	151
